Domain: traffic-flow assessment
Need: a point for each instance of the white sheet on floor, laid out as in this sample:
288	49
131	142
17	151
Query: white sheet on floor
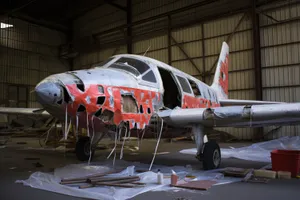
260	152
50	182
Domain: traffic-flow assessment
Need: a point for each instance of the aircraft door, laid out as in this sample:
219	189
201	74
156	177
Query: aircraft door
172	93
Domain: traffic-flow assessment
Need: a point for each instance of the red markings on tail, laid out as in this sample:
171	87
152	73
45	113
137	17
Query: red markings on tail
223	78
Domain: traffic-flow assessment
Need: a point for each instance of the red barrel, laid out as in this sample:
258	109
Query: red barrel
286	160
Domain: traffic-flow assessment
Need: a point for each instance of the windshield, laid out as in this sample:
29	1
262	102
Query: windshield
131	65
125	67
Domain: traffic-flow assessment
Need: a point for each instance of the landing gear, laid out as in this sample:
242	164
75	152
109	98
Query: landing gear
211	155
82	149
209	152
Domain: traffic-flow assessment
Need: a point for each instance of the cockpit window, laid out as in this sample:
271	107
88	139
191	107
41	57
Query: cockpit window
137	64
125	67
149	76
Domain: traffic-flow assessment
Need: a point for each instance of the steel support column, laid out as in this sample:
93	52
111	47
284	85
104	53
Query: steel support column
203	52
129	27
169	40
258	133
256	51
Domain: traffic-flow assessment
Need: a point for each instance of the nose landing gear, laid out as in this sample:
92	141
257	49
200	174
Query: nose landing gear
83	149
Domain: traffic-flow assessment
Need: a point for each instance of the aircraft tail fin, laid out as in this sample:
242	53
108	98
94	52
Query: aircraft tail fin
220	82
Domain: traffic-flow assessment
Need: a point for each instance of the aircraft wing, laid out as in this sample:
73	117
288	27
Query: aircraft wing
238	102
23	111
235	116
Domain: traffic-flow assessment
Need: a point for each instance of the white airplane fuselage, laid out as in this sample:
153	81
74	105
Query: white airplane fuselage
127	88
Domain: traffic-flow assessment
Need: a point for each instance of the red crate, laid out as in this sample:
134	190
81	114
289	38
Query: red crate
286	160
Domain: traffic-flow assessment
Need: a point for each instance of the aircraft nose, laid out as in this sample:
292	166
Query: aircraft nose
48	93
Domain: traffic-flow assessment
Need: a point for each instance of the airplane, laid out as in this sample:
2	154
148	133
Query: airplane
127	90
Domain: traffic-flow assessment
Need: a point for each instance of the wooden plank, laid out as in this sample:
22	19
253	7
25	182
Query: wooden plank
197	185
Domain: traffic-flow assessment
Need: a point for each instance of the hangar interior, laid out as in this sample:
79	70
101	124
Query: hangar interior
40	38
57	36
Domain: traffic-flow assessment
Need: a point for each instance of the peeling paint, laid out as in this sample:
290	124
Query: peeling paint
88	99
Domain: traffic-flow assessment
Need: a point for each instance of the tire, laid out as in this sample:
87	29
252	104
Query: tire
82	149
211	155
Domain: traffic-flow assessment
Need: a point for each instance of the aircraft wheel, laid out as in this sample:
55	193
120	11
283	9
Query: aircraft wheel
211	155
82	149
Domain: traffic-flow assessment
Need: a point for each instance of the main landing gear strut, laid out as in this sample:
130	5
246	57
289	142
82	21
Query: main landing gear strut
208	152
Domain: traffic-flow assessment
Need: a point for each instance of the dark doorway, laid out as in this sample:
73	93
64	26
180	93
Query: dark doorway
171	97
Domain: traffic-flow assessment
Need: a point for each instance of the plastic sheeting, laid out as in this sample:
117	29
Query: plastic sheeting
50	182
260	152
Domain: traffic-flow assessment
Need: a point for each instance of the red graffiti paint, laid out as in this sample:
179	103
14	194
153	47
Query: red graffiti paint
194	102
223	79
113	98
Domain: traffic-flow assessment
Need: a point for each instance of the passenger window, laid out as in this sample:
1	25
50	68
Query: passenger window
184	84
149	77
195	88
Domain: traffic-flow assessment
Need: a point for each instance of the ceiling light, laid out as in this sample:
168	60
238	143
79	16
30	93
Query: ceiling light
4	25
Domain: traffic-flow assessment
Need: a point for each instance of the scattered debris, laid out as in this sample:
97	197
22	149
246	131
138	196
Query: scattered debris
284	175
264	173
248	176
236	172
95	183
197	185
258	180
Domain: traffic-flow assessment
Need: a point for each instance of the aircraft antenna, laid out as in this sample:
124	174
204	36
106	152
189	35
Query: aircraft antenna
147	50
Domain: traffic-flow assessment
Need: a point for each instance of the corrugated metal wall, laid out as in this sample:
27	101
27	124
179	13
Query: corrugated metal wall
28	53
88	60
190	39
202	43
93	21
280	50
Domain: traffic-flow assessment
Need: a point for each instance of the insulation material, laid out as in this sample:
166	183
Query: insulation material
260	152
51	182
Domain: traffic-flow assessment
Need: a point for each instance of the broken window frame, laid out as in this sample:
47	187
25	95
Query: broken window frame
148	71
197	87
179	77
136	65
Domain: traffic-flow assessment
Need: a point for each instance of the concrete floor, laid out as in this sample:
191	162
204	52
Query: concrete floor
14	165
